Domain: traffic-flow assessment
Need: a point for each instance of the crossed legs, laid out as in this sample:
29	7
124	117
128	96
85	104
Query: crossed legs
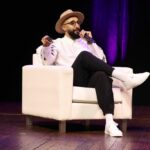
90	71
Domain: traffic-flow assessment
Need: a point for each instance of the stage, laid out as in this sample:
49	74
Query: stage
44	135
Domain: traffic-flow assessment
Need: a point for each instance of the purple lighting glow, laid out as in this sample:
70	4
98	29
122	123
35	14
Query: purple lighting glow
110	25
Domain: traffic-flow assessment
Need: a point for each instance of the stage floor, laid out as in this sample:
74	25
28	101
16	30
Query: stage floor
44	135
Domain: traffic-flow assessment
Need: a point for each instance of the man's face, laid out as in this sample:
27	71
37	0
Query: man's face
70	26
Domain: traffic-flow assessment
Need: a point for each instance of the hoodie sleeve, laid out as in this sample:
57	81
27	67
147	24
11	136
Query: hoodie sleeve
49	54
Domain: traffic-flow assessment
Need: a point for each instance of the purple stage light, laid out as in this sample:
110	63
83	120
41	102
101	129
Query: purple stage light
110	27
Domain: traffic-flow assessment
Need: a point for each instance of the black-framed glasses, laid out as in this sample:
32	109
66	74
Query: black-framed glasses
72	23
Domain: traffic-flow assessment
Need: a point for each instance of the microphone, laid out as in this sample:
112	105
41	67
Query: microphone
89	39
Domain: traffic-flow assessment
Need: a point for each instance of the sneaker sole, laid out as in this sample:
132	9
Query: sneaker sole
108	133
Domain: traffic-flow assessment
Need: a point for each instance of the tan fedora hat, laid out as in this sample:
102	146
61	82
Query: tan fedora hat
65	15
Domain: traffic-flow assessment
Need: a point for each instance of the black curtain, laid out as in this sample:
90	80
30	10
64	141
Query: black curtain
24	23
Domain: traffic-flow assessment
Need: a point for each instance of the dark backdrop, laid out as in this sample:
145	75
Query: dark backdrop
24	23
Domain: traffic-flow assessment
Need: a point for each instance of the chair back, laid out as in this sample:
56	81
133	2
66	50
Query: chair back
36	57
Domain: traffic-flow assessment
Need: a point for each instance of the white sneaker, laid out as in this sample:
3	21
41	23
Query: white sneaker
113	130
134	80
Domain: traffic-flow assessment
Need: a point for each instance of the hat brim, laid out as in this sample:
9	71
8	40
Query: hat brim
58	26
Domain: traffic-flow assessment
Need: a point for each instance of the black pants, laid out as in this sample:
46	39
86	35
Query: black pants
89	71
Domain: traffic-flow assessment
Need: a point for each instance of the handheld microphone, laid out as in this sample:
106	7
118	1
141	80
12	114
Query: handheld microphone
87	37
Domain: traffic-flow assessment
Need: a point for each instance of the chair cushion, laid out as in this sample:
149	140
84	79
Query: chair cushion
88	95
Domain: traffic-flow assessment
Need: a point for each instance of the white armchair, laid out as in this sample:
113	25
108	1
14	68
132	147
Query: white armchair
48	92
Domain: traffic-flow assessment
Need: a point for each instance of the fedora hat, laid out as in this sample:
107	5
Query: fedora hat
65	15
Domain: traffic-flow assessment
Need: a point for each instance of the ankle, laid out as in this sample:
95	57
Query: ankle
109	119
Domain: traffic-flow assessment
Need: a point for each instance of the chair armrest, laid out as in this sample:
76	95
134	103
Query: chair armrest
126	95
47	91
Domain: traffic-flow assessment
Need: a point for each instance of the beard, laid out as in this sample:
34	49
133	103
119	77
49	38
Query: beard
74	34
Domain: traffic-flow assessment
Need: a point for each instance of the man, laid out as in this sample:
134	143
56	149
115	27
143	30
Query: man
78	50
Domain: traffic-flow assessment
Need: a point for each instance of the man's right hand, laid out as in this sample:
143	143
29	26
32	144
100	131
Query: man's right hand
46	40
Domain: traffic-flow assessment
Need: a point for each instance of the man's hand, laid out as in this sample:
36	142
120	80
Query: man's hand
83	32
87	35
46	40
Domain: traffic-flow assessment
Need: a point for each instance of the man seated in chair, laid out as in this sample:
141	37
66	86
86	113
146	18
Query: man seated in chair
78	50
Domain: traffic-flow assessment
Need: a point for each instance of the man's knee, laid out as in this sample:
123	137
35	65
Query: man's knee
85	53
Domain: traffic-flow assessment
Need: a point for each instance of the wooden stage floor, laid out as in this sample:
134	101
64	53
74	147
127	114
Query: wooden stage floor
43	135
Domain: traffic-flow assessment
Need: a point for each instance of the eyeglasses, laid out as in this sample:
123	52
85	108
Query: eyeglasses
72	23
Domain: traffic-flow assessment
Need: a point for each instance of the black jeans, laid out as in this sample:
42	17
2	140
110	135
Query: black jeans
89	71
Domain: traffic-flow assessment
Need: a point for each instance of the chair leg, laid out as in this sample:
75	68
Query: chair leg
62	126
124	125
28	121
